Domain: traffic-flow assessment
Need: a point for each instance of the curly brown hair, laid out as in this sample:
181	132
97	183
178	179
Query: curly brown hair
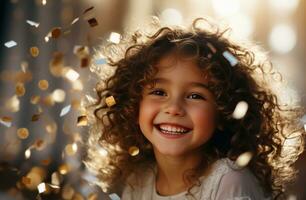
263	131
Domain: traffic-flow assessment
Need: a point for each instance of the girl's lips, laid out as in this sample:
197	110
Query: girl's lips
170	136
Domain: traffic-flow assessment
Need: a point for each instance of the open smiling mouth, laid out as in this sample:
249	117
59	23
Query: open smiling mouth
171	131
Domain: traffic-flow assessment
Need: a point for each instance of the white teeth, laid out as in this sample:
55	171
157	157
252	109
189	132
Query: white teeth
172	130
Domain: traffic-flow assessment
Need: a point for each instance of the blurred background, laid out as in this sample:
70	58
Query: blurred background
46	48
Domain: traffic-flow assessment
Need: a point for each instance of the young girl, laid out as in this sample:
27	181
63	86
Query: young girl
188	114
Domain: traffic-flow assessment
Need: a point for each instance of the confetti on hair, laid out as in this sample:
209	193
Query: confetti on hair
100	61
10	44
114	37
244	159
110	101
114	196
240	110
211	47
34	51
230	58
65	110
32	23
133	151
82	121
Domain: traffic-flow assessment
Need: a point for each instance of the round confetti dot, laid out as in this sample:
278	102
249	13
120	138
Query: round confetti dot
23	133
133	150
56	32
43	84
20	89
34	51
71	149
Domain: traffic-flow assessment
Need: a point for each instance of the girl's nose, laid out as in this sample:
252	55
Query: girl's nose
175	108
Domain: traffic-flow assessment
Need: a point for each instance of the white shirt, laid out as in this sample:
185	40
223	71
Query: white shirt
225	182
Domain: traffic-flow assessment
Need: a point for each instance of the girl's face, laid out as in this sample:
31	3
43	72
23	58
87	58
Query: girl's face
178	114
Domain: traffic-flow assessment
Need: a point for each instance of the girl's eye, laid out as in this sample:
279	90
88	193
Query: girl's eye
158	93
196	96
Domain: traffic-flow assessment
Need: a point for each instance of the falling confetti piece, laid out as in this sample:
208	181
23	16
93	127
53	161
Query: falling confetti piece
81	51
110	101
63	169
23	133
27	153
55	178
88	9
71	75
133	150
20	89
114	196
244	159
115	37
35	99
100	61
34	51
56	32
13	104
85	62
32	23
92	22
230	58
65	110
6	119
240	110
74	21
46	161
82	121
305	127
5	123
71	149
41	187
44	2
10	44
43	84
35	117
58	95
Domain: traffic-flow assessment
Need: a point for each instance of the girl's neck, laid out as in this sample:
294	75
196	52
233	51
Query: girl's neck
170	172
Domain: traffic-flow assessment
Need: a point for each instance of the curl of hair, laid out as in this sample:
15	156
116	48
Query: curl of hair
264	130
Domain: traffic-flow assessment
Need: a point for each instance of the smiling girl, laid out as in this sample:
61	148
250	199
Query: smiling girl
165	122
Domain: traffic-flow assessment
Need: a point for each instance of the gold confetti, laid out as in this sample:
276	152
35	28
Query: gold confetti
44	2
23	133
133	150
13	104
110	101
244	159
39	144
34	51
35	99
43	84
88	9
82	121
240	110
35	117
81	51
6	119
20	89
71	149
70	74
64	169
56	32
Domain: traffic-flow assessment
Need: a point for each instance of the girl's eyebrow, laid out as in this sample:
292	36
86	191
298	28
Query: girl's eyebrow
192	83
